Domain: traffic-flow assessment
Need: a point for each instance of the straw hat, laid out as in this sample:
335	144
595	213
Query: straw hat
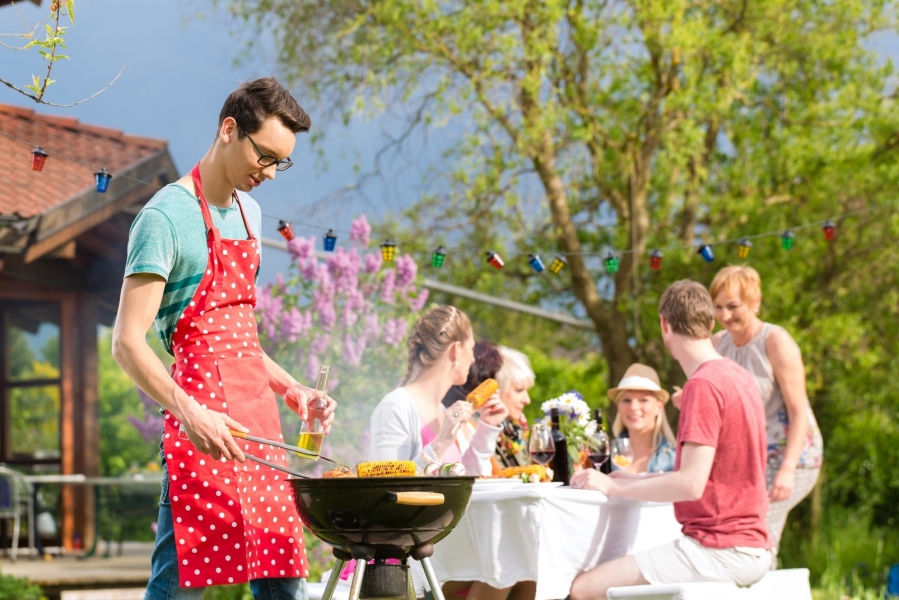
639	377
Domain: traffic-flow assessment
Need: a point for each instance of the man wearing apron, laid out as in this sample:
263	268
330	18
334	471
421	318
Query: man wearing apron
193	258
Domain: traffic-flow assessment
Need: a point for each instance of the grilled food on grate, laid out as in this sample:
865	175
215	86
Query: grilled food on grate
387	468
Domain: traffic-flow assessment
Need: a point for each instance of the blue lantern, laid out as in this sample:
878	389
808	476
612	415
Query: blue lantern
330	240
706	251
102	176
536	263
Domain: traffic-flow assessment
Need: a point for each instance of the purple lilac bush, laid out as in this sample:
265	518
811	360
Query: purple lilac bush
349	311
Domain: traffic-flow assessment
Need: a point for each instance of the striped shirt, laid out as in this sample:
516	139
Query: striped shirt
168	239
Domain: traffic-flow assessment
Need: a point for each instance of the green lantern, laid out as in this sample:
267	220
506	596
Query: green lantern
438	257
611	263
786	239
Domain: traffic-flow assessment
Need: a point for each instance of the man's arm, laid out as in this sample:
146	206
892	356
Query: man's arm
295	394
207	429
685	484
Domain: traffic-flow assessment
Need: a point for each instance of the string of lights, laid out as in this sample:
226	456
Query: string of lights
611	258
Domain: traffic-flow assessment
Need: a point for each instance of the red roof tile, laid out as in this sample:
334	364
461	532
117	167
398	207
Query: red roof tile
27	193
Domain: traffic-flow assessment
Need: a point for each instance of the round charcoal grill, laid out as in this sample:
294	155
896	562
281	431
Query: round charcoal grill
381	518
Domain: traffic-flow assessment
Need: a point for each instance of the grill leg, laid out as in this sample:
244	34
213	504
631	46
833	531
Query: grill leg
356	586
333	579
432	578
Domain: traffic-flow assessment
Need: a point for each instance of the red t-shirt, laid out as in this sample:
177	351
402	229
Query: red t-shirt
721	407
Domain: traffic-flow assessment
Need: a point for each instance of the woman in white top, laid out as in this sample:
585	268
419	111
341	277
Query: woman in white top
774	360
411	423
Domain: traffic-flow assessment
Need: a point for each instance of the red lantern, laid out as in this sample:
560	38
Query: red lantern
286	230
38	158
829	228
655	259
495	260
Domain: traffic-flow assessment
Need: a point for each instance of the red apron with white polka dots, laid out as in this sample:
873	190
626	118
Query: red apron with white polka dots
233	522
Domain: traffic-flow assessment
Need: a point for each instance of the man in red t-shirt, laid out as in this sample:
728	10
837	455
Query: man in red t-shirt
718	485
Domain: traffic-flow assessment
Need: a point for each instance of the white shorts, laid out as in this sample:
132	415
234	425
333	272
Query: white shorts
685	560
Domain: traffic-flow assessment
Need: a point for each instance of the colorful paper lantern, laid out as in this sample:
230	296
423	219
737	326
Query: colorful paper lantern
708	255
655	259
102	177
388	251
38	158
743	247
495	260
330	240
786	239
438	257
612	262
829	228
557	265
286	230
536	263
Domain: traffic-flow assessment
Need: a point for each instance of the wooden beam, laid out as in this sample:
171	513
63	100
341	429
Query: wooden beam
39	249
68	350
66	251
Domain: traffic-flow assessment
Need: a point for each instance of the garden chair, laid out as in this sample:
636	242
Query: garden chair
15	501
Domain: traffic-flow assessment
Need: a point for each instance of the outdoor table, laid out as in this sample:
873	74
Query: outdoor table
545	533
97	483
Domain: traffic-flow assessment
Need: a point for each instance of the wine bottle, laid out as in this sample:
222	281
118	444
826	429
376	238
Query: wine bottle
312	432
606	463
560	466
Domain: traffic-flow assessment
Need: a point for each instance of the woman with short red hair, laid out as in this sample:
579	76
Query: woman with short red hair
773	358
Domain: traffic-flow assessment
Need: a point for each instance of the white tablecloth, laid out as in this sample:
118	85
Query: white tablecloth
536	532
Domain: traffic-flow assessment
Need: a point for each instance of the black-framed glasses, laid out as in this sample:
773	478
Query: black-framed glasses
266	160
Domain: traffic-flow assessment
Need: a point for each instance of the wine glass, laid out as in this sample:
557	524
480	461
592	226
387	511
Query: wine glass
622	452
541	445
597	448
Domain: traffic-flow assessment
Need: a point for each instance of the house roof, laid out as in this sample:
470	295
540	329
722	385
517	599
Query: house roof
28	193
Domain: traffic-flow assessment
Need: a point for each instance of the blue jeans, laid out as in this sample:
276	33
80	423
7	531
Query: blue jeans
164	585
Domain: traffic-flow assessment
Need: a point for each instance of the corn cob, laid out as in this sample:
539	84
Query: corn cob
510	472
386	468
482	393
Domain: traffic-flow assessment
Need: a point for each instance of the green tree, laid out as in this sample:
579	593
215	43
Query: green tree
585	125
658	117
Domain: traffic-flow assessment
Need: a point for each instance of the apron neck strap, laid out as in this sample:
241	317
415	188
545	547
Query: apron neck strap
204	205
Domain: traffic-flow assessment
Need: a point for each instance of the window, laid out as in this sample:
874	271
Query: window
30	393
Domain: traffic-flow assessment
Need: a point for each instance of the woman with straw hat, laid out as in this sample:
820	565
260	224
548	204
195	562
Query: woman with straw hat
641	418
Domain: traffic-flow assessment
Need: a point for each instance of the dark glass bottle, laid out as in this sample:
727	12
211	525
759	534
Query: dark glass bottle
560	465
605	467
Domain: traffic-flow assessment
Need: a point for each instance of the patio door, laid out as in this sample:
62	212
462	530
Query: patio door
30	384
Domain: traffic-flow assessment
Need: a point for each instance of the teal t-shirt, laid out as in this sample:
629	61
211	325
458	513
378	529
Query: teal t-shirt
168	238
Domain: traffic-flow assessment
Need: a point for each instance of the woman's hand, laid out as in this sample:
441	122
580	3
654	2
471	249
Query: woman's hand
676	396
494	411
782	486
208	432
457	414
298	397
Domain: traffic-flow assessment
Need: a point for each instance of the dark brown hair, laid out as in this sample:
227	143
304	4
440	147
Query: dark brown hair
487	363
434	332
688	308
257	100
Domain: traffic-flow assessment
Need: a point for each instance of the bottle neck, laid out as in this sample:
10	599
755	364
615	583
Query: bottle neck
554	418
323	375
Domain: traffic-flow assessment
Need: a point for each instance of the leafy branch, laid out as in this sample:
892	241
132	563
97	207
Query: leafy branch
48	47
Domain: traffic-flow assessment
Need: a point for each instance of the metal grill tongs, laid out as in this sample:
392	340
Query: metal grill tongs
301	451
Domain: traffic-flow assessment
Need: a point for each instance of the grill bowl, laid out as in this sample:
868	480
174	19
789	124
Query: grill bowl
344	512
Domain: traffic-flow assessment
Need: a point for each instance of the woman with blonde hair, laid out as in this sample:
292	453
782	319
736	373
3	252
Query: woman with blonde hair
641	401
769	353
411	423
